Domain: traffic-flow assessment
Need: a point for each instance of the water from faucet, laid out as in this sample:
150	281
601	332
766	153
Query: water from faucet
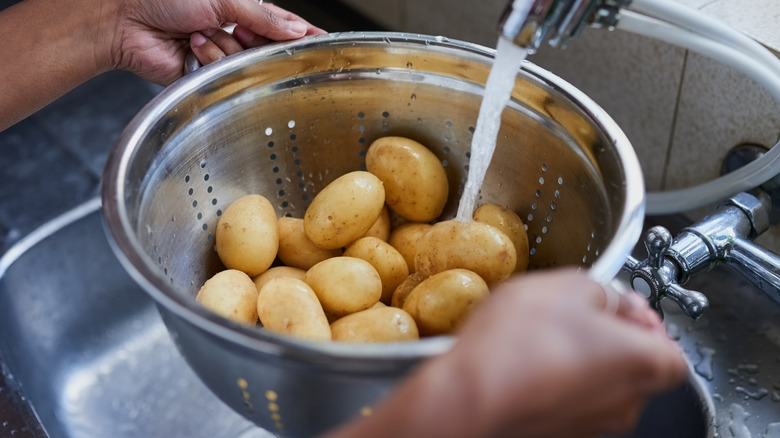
498	90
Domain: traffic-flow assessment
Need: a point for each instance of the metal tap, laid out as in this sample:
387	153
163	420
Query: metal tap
725	237
528	22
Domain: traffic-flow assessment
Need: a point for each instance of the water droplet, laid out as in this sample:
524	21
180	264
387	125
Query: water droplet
772	430
414	96
673	331
748	368
736	422
704	367
409	65
755	395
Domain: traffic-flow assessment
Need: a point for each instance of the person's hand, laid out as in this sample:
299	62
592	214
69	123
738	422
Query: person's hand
547	360
152	36
213	44
542	357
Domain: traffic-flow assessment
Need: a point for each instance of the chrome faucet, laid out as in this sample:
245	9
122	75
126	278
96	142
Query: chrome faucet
528	22
725	237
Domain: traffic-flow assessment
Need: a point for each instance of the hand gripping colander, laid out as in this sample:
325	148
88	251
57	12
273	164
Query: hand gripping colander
286	119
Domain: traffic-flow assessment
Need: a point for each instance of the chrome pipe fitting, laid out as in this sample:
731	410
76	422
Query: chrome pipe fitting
721	238
528	22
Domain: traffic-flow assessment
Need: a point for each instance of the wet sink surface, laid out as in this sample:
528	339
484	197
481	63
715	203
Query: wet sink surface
88	349
93	359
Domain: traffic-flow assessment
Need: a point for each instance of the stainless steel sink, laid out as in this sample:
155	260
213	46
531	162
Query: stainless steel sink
87	346
92	357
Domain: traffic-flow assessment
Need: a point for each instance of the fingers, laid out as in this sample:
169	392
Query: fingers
249	39
213	44
287	15
204	49
270	21
257	25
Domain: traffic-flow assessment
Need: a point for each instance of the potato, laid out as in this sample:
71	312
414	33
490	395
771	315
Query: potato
443	301
231	294
510	224
246	235
344	210
404	238
415	181
289	306
276	272
381	228
475	246
404	289
388	262
387	324
295	249
345	285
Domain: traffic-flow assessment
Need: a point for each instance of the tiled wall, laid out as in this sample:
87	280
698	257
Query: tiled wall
682	112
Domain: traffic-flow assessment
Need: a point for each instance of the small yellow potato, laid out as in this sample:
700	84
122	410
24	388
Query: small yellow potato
246	235
231	294
345	285
388	262
510	224
295	249
378	304
416	185
442	302
404	238
387	324
404	289
276	272
381	228
344	210
475	246
289	306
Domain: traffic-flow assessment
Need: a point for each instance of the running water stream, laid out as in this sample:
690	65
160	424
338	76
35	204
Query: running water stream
498	90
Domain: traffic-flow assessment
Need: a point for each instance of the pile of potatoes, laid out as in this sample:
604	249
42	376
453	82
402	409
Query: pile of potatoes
341	273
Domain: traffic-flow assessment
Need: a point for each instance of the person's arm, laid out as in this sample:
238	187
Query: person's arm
50	48
541	358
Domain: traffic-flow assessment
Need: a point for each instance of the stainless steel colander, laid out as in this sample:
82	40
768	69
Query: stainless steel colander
286	119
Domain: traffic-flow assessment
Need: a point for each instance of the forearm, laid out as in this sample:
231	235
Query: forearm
48	49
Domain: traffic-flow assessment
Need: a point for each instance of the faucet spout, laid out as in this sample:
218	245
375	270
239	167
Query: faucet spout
528	22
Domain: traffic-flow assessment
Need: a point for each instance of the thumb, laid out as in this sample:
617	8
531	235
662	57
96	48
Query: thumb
270	21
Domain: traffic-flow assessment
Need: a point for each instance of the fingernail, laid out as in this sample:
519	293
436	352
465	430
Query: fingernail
209	32
197	39
297	27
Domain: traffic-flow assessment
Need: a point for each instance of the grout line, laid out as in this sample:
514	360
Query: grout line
673	129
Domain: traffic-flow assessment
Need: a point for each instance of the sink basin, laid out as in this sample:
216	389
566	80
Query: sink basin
92	357
87	347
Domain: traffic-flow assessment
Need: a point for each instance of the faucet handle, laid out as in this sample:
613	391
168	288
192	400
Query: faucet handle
658	277
692	303
657	242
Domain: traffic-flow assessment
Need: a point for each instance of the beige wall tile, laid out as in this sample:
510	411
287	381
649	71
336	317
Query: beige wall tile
388	13
474	21
756	18
719	108
635	79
